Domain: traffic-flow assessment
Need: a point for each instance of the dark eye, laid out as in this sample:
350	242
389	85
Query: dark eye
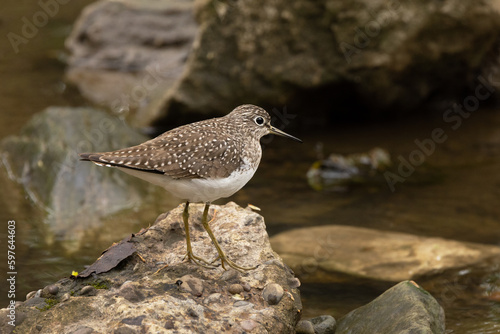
259	120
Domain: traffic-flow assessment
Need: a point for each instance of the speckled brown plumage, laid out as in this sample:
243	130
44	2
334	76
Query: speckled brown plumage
212	148
199	162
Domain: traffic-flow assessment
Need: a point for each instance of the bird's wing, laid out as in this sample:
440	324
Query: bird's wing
176	153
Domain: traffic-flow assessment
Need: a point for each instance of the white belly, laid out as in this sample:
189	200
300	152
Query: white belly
197	190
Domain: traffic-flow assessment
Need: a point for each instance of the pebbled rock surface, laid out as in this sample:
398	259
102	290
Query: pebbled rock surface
153	291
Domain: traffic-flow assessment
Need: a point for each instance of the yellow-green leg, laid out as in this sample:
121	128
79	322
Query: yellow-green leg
223	258
196	259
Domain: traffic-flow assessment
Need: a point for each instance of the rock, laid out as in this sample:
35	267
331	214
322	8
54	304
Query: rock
191	284
405	308
360	55
65	297
335	57
37	302
182	296
30	295
130	292
339	253
50	290
235	289
88	291
124	53
273	293
249	325
213	298
43	158
324	324
338	171
304	327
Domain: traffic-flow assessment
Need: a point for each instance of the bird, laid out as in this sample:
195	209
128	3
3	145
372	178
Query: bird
199	162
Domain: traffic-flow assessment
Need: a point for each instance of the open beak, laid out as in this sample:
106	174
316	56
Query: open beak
278	132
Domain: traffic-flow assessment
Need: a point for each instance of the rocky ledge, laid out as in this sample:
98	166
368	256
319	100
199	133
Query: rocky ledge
142	284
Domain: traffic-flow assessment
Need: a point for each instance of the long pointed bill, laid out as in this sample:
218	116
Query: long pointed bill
278	132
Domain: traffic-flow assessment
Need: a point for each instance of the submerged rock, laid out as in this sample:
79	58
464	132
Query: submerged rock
339	171
155	291
340	253
405	308
43	158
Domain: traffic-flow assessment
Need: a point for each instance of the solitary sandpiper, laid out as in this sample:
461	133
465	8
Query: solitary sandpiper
199	162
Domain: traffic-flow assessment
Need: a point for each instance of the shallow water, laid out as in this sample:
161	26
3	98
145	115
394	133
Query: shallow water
454	194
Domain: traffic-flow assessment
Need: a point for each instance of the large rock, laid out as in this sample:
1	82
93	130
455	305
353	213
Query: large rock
124	53
334	57
405	308
154	291
340	253
75	195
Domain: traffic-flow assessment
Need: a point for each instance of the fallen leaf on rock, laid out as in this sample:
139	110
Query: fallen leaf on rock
110	258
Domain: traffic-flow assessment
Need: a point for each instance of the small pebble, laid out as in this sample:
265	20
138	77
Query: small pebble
38	293
192	285
51	289
246	286
212	298
65	297
304	327
129	291
88	291
30	295
294	283
192	313
273	293
324	324
248	325
235	289
241	303
229	275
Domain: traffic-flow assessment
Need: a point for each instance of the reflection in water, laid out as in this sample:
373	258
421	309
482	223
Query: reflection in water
454	194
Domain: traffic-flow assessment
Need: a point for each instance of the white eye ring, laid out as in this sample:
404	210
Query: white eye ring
259	120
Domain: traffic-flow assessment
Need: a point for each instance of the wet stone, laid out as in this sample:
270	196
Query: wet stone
273	293
50	290
324	324
304	327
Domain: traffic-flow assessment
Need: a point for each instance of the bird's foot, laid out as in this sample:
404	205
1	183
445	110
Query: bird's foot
224	259
190	257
